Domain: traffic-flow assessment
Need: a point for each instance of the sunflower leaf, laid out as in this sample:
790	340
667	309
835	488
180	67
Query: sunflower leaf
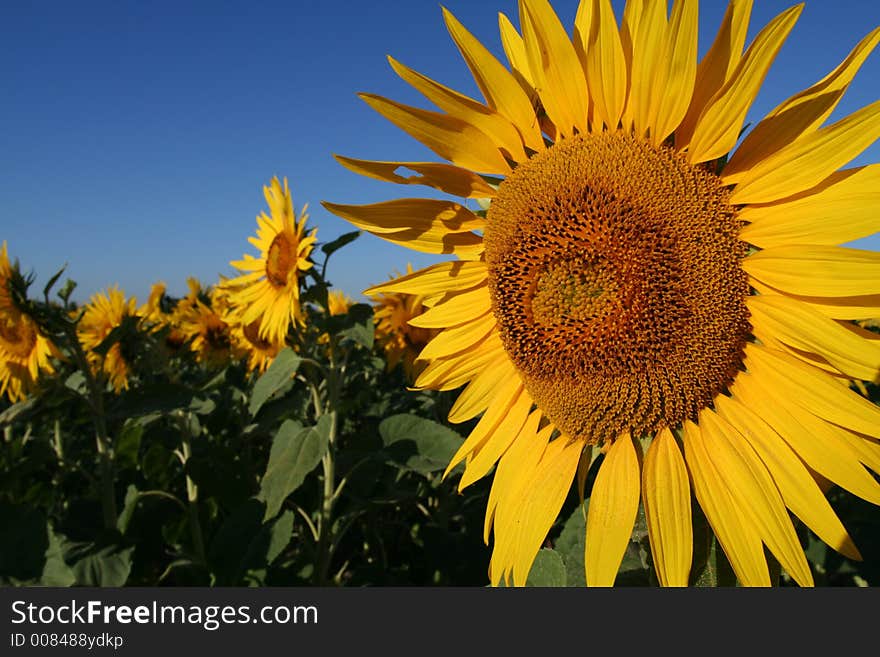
417	444
547	570
279	372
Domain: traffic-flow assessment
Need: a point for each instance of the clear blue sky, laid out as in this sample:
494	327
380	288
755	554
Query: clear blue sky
135	137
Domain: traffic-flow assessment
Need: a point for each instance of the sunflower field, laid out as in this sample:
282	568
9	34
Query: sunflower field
645	357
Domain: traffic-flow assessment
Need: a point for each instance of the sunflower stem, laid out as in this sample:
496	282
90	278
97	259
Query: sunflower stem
192	495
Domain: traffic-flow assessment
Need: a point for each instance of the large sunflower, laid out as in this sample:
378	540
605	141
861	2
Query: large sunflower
269	291
631	288
104	312
24	350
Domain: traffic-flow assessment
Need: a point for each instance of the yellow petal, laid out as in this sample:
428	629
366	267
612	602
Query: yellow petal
495	126
842	208
649	66
847	307
716	68
739	539
719	125
455	371
508	393
514	466
480	392
801	327
819	271
497	442
808	436
800	114
744	473
614	504
420	214
554	63
453	340
798	488
540	499
815	391
605	65
451	138
666	495
442	277
809	160
682	60
445	177
455	309
515	49
501	90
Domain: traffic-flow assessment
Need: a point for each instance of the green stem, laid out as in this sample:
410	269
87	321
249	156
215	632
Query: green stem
192	499
328	465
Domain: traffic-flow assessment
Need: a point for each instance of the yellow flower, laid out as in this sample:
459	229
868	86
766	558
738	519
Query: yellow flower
24	350
103	313
269	291
152	314
630	286
204	327
398	331
339	302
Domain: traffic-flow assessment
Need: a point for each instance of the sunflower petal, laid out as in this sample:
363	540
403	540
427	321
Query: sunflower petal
809	160
478	394
614	504
451	138
836	307
605	64
851	197
817	270
716	68
666	495
419	214
499	87
648	73
808	437
744	473
740	541
445	177
682	56
719	125
798	488
554	63
443	277
515	49
453	340
800	114
814	391
450	373
801	327
455	309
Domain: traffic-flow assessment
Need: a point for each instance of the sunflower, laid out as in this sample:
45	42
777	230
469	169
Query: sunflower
24	350
638	284
203	325
338	302
269	291
104	312
397	328
152	313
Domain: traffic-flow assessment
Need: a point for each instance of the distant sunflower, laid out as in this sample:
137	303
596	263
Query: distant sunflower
631	286
152	313
204	327
339	302
269	291
103	313
398	329
24	350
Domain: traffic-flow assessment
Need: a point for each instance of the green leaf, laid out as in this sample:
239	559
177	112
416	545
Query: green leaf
570	546
100	566
547	570
131	501
55	571
22	408
417	444
279	536
279	373
295	453
346	238
128	445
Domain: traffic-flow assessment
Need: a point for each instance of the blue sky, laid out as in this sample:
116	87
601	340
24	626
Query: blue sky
136	137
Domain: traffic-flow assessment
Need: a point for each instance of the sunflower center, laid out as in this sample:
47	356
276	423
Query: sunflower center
252	333
280	260
615	281
17	336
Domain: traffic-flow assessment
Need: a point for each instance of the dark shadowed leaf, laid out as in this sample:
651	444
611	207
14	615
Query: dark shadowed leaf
418	444
278	374
56	572
570	546
548	570
295	453
99	566
346	238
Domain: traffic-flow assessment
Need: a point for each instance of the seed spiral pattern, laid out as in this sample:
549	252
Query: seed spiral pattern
614	271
